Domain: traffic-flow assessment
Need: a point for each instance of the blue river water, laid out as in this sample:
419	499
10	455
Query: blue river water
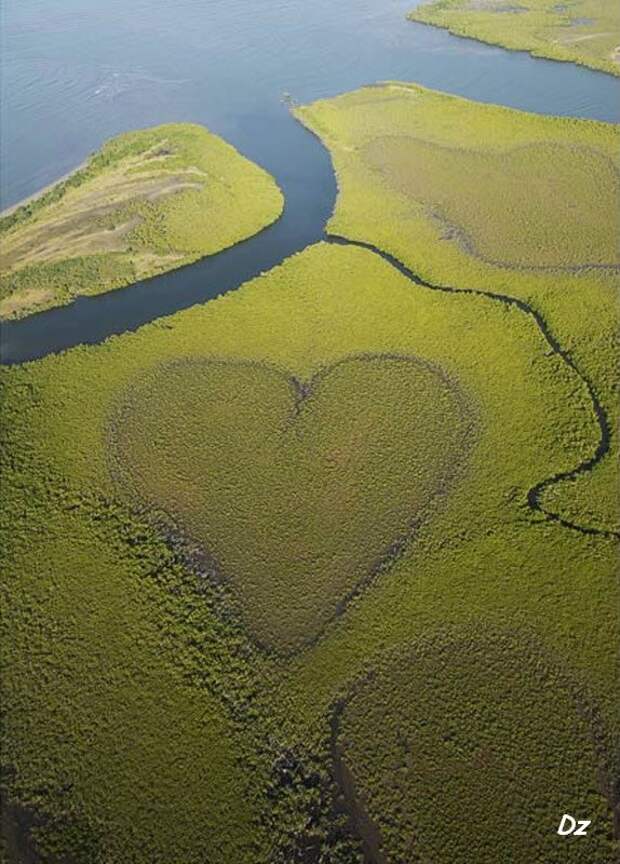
79	71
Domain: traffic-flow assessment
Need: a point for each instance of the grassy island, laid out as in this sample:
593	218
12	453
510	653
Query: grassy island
484	198
147	202
581	31
169	696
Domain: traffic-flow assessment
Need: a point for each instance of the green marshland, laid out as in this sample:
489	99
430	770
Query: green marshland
275	587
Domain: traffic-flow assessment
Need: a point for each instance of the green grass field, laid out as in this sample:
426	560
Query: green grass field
169	697
538	205
489	730
487	198
147	202
276	478
580	31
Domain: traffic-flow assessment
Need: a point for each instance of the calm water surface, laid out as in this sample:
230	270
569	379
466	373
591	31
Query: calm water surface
76	72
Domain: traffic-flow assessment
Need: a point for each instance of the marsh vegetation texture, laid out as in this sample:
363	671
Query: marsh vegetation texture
580	31
322	571
147	202
482	198
218	468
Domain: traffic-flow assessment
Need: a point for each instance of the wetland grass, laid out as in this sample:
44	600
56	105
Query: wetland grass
489	199
277	477
491	731
145	203
580	31
144	706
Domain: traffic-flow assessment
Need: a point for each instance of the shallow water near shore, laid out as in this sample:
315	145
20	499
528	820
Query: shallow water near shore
76	74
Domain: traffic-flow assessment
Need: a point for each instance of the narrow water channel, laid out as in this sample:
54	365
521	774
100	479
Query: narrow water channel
98	69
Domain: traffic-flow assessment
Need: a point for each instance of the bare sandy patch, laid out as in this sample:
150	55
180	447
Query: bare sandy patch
73	227
31	297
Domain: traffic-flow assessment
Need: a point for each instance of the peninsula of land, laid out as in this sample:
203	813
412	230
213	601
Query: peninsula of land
581	31
148	201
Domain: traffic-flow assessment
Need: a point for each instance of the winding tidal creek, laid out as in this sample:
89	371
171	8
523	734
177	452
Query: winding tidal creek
98	69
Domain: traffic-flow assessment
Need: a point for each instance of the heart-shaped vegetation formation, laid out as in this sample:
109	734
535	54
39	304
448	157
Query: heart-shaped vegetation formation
300	492
470	750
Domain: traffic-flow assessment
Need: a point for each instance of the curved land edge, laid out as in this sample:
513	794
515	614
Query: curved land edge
360	820
145	203
36	198
56	330
200	560
611	67
536	492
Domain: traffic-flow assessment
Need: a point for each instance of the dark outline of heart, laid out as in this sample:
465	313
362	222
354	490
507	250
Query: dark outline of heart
198	559
520	638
